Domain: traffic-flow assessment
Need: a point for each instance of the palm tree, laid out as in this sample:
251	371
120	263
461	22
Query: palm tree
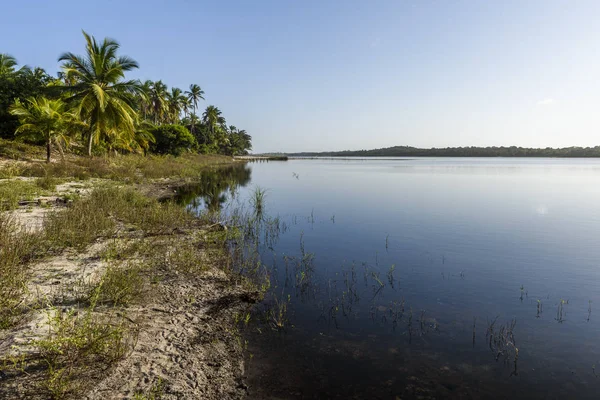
175	101
103	98
194	94
158	101
211	117
7	64
243	142
144	99
44	118
186	105
143	137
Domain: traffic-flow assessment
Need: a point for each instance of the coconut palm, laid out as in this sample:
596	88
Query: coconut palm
103	98
158	102
144	99
186	105
7	64
194	94
175	101
211	118
138	141
45	119
143	137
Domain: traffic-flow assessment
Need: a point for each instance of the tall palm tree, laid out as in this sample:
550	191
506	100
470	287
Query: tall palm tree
47	119
194	94
103	98
186	105
144	99
7	64
158	102
211	118
175	101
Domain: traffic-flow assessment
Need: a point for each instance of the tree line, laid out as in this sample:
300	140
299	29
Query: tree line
90	103
502	151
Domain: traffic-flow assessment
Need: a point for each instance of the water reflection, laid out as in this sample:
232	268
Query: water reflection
214	187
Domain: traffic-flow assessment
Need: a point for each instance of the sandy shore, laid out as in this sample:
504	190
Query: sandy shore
186	344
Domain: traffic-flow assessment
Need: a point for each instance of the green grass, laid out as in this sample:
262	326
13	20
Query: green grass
154	393
14	191
121	284
124	168
17	247
20	151
78	341
80	224
257	200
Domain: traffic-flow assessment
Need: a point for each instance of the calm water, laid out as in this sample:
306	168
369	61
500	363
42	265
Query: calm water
461	243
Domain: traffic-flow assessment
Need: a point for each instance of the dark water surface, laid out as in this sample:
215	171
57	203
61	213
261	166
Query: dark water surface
408	263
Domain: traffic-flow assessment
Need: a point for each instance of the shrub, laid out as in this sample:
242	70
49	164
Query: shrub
172	139
120	285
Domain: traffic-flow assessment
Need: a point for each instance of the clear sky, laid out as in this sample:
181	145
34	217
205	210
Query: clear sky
334	75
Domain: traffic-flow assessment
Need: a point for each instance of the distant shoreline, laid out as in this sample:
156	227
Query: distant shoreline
512	151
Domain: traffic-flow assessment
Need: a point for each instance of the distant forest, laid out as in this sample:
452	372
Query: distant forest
407	151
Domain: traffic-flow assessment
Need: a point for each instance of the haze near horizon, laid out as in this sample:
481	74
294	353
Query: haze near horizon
338	75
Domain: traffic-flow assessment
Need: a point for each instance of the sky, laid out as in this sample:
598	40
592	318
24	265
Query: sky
335	75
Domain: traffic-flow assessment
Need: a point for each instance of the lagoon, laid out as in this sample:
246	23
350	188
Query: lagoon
428	277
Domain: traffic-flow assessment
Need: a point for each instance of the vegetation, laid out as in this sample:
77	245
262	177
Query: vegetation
512	151
48	120
93	106
84	339
172	139
128	168
12	192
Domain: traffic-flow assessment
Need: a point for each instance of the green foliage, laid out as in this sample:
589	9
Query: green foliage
45	120
17	84
172	139
114	113
103	99
239	142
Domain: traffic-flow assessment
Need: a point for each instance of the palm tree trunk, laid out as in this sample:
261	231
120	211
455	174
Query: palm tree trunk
48	150
90	140
193	122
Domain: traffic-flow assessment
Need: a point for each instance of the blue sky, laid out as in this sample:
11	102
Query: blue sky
333	75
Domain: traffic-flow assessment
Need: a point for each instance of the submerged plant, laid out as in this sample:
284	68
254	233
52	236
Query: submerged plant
560	313
277	313
502	342
390	275
258	200
522	292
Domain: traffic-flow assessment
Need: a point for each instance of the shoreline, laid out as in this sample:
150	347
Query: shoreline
177	325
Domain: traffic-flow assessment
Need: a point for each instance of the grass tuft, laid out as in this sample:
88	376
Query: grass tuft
17	246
